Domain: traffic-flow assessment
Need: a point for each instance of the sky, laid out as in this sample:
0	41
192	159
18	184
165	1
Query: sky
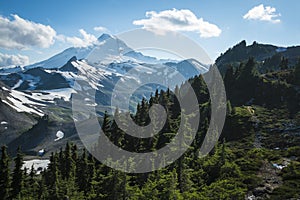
34	30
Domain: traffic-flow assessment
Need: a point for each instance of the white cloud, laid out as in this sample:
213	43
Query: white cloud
263	13
7	60
20	33
86	39
100	29
178	20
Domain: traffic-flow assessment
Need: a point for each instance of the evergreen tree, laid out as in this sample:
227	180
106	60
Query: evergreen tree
297	73
229	80
32	184
42	189
70	188
82	178
18	179
117	136
4	175
284	63
167	186
106	130
52	178
69	163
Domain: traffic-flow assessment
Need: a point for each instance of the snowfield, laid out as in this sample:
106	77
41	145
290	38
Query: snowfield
38	165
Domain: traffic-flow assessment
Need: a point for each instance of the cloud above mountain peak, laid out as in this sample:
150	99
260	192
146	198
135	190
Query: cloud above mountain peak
85	40
178	20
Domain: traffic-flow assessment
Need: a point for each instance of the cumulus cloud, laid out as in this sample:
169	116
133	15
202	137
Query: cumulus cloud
263	13
7	60
178	20
86	39
20	33
100	29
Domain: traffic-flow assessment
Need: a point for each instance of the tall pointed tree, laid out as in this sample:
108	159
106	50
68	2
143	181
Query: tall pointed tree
18	179
4	174
52	178
82	177
297	72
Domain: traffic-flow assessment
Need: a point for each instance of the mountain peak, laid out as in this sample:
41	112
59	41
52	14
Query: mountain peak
104	37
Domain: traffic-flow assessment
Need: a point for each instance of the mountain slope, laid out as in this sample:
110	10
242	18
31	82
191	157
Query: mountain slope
268	56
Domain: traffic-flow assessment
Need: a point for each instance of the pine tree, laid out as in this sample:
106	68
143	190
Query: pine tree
117	136
74	152
69	184
284	63
42	189
60	162
229	80
297	73
82	178
4	174
52	179
111	184
168	186
106	123
32	184
18	179
105	130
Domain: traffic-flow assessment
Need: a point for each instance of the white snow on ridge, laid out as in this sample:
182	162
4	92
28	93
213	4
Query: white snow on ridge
25	98
29	102
50	95
62	58
204	68
90	74
22	102
19	107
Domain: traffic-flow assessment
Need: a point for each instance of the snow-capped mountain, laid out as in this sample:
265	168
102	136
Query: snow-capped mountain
98	67
106	50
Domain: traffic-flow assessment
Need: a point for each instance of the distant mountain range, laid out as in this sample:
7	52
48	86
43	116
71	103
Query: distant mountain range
100	65
35	100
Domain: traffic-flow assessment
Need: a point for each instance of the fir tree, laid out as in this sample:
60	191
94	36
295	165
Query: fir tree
284	63
4	174
297	73
52	178
82	178
18	179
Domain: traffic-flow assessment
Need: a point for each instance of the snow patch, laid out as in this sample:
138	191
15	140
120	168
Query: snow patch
278	166
41	152
281	49
22	102
38	165
18	84
50	95
5	89
59	135
20	107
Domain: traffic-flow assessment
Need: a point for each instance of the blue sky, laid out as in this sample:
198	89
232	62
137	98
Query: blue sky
214	25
